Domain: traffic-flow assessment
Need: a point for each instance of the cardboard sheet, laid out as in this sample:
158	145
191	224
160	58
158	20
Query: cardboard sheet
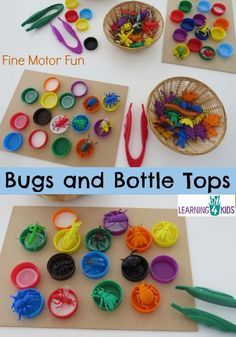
88	315
106	149
194	60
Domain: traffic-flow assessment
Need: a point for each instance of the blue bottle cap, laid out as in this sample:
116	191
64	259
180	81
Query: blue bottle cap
80	123
204	6
27	296
94	265
225	50
86	13
12	141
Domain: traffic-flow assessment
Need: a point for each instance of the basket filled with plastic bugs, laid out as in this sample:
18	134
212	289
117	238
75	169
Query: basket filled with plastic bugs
133	25
187	116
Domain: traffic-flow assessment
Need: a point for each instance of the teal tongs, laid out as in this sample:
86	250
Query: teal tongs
40	18
204	317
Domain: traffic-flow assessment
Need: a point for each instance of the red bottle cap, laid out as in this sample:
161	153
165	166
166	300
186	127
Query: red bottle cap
177	16
218	9
71	16
19	121
25	275
194	45
63	303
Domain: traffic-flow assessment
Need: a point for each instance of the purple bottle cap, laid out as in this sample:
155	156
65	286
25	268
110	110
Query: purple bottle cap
116	222
102	130
180	35
79	89
200	20
164	269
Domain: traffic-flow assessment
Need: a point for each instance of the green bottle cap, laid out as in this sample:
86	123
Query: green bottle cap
33	238
61	147
67	101
98	239
107	295
29	95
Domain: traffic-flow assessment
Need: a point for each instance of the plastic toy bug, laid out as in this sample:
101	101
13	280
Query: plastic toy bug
34	235
134	267
85	147
62	298
107	299
61	122
27	303
80	123
91	104
105	126
111	99
137	237
62	267
115	219
147	295
95	264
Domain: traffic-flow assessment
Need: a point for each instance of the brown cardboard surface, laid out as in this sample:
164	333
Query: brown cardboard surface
106	149
88	315
194	60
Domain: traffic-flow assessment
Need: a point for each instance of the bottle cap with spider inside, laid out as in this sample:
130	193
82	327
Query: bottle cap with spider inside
63	303
33	238
61	266
98	239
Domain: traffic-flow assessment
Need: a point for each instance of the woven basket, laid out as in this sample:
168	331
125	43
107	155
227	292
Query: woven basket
63	197
114	14
207	99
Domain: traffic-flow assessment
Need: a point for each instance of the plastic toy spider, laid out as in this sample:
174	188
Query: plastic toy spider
27	303
62	298
100	239
108	301
111	99
138	237
61	122
94	264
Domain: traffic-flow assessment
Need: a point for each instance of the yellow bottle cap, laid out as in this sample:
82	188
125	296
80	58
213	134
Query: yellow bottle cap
82	25
165	234
49	100
71	4
68	240
218	34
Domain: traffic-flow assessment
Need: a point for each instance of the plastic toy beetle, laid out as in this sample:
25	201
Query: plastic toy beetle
85	147
146	295
62	267
27	303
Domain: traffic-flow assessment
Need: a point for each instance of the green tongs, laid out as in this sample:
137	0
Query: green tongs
39	19
204	317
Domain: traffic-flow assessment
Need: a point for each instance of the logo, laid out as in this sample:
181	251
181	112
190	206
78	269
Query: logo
206	205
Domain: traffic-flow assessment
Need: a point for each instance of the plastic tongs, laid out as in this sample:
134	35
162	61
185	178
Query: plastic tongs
204	317
78	49
39	19
144	130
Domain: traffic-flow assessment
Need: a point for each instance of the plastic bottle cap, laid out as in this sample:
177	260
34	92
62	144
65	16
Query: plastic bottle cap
59	124
79	89
101	131
145	298
71	16
29	95
110	107
134	267
67	101
91	104
27	296
82	25
180	35
138	238
49	100
42	116
217	34
181	50
202	33
164	269
91	43
64	218
63	303
110	288
225	50
73	244
19	121
218	9
61	147
85	147
165	234
71	4
61	266
222	22
25	275
94	264
52	84
80	123
38	139
204	6
33	240
194	45
188	24
177	16
86	13
207	53
185	6
117	222
12	141
98	239
200	20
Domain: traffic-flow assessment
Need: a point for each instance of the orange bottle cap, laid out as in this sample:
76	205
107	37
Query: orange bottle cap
138	238
64	218
145	298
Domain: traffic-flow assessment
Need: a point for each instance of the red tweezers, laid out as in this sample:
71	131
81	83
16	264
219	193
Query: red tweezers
135	162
